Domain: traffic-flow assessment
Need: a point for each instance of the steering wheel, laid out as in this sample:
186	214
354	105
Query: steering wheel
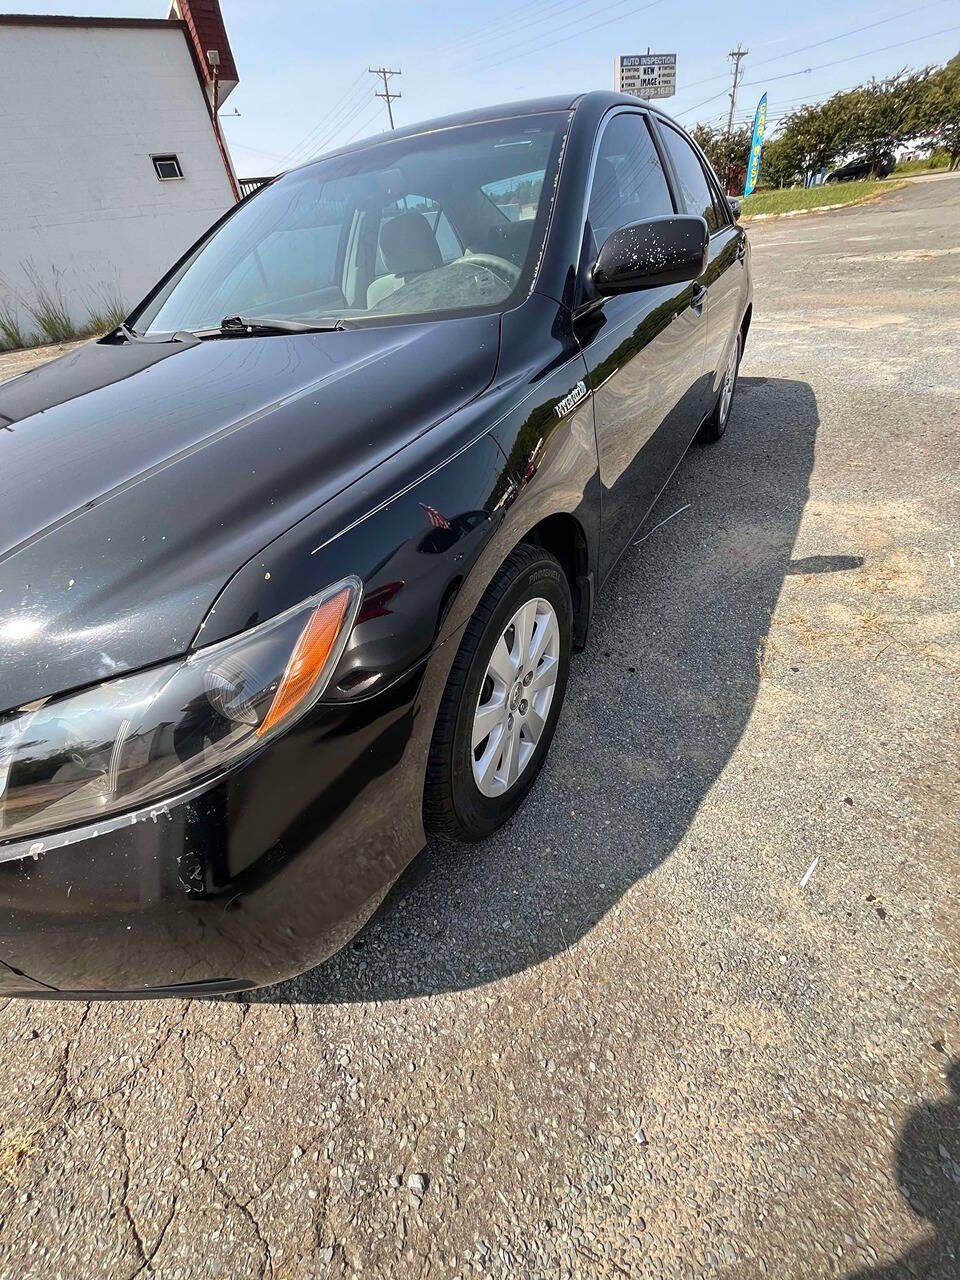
501	267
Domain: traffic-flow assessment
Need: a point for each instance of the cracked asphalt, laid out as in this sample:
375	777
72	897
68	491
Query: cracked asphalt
694	1013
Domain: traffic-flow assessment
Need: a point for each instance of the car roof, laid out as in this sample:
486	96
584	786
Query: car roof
601	98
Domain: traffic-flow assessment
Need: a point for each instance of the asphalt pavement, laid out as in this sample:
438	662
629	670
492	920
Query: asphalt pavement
694	1012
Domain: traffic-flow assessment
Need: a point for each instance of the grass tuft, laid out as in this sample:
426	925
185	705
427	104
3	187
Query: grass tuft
48	306
16	1147
103	320
12	335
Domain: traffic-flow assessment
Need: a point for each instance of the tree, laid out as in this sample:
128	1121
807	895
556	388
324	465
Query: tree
938	111
780	164
885	113
729	154
863	123
707	139
817	135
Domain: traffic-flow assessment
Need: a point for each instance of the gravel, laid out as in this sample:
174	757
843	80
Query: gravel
620	1039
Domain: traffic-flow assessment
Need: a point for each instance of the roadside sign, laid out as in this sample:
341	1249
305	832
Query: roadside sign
648	75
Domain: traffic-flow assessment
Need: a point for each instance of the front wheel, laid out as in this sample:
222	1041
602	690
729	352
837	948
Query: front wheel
716	424
502	700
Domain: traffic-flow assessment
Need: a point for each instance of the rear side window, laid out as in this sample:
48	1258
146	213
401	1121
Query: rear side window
694	187
628	180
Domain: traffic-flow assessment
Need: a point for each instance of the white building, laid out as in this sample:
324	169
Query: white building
111	158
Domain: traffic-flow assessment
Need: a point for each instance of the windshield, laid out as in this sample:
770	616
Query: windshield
446	222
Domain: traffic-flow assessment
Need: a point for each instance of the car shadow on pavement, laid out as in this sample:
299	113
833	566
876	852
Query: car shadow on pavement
655	707
928	1175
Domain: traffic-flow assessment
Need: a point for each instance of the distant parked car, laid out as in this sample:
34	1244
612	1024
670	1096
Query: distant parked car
293	562
857	169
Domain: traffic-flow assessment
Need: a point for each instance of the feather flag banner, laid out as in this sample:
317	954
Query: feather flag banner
756	146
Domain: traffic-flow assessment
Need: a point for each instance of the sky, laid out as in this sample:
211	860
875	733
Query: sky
305	88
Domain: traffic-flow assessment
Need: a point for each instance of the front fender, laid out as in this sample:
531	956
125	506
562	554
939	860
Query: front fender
412	535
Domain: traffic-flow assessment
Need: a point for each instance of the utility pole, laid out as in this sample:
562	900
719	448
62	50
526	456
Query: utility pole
736	56
384	73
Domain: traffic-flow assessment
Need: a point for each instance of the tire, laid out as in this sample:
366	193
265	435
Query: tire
716	424
456	803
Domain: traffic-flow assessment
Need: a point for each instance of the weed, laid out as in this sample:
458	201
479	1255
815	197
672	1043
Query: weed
48	306
102	320
105	314
12	335
16	1146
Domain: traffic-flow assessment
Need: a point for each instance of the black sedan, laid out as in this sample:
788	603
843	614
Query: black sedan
881	167
292	563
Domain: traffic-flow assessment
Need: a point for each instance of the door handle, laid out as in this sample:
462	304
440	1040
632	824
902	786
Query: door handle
698	298
741	250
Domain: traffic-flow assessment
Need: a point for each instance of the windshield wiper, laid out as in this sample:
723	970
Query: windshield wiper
255	325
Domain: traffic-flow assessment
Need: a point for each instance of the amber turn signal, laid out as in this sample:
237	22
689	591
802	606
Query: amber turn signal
309	658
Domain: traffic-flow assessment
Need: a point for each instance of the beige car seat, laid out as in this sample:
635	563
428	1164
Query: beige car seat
408	248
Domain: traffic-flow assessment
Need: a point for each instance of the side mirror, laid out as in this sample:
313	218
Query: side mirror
655	252
735	207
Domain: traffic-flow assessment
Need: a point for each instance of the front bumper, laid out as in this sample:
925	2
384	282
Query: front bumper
245	882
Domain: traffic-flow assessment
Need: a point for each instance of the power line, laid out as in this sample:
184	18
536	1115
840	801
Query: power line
481	32
330	127
781	105
805	71
257	151
387	96
314	142
323	123
713	97
538	46
508	27
363	125
855	32
325	141
804	48
853	56
581	17
746	117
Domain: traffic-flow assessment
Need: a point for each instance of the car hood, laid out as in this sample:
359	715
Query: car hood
136	478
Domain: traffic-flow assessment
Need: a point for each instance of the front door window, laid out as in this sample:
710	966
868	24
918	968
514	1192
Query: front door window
628	179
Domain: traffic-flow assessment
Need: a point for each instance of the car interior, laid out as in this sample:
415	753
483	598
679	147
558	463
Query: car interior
428	240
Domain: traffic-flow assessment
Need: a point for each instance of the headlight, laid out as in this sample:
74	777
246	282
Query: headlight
142	737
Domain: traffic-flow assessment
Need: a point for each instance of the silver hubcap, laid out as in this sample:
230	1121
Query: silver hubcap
729	381
515	697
